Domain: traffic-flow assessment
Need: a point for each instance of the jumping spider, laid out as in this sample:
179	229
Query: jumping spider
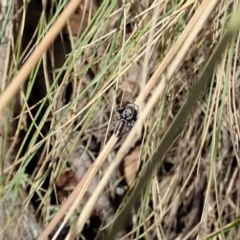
127	116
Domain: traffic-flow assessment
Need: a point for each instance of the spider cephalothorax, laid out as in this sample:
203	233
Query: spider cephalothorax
127	116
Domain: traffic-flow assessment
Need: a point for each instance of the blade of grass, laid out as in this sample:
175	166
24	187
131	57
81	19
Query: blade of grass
225	229
6	20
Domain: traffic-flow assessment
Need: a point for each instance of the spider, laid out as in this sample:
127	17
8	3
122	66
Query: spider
127	116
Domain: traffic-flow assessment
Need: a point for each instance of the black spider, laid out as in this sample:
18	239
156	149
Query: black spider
127	116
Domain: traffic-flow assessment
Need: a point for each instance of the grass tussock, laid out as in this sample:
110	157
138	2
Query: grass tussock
63	174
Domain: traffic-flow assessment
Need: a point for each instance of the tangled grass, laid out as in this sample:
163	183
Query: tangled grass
63	174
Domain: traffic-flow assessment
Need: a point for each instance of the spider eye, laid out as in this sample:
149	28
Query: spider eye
128	114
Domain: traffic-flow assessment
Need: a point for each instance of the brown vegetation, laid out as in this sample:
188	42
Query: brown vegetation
56	134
